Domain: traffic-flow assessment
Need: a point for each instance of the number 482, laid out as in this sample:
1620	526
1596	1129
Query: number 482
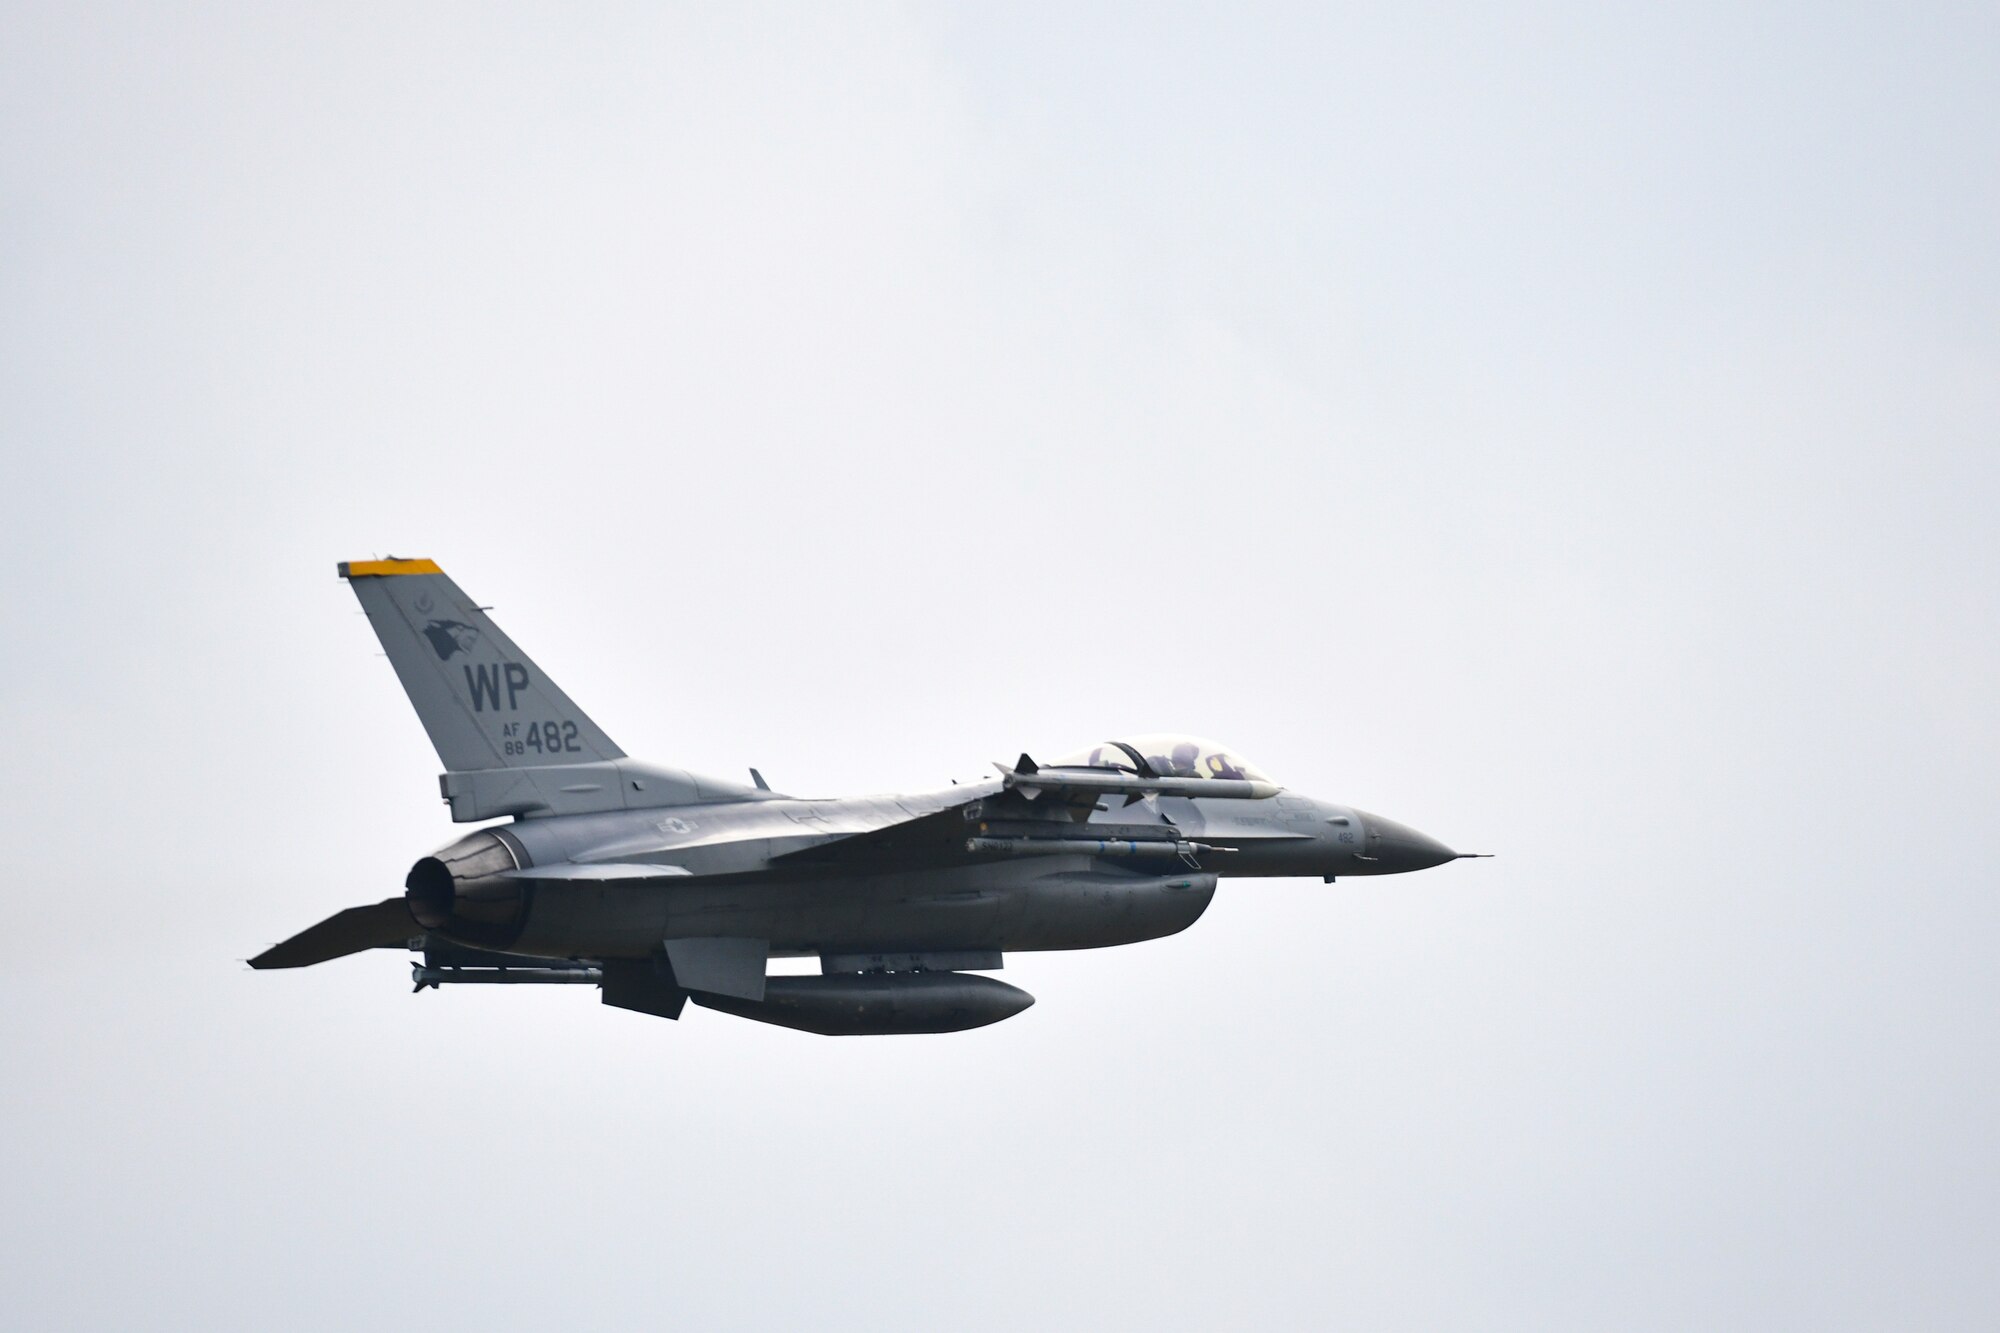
545	738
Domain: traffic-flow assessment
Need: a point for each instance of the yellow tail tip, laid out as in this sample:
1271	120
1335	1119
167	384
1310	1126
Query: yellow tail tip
370	569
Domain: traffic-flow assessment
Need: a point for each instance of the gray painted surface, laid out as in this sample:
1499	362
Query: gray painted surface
704	881
1567	429
483	702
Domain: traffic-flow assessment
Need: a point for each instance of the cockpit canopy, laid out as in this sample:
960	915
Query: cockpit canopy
1168	756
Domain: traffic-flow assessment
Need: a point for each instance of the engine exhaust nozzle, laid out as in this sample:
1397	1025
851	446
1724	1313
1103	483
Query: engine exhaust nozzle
462	892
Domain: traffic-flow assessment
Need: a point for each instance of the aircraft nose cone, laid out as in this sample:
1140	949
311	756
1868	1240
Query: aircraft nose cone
1398	847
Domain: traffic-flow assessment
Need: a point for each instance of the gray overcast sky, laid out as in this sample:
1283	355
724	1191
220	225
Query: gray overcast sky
1567	429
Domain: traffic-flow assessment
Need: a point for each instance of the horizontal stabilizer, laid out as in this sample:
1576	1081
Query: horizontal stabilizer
385	924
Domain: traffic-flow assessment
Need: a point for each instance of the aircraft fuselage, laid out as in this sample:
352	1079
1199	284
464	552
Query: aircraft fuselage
745	869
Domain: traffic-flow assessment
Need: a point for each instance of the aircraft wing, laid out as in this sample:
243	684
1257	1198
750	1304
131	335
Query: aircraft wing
934	838
1046	815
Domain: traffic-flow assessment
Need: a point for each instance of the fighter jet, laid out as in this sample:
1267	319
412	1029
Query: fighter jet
659	886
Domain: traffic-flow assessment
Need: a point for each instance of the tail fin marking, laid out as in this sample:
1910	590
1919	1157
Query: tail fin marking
483	702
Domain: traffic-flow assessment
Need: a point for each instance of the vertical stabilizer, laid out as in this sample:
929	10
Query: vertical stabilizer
483	702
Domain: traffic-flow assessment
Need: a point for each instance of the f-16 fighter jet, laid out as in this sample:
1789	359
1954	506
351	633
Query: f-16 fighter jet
660	886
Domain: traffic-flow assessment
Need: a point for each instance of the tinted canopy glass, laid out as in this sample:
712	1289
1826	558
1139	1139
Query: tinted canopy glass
1168	755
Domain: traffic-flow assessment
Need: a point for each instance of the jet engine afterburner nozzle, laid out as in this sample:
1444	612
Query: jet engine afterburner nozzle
463	893
428	890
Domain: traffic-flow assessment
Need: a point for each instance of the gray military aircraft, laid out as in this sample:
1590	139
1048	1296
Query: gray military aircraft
660	886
